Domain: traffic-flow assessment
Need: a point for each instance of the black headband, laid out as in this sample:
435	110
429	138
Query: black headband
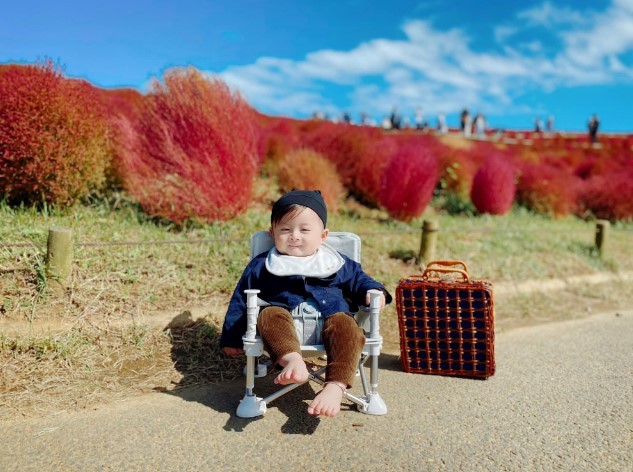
308	198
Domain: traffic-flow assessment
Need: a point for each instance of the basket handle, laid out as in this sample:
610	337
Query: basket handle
446	267
448	263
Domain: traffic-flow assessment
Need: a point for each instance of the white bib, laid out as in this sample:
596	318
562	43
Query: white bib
323	263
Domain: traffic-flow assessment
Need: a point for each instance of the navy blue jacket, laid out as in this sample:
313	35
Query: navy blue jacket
343	291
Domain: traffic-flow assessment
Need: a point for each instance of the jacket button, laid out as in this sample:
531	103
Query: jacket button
323	301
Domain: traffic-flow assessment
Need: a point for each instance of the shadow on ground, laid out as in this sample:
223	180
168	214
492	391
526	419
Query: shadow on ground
215	381
389	362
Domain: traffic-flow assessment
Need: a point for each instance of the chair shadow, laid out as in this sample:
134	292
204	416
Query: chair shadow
215	381
390	362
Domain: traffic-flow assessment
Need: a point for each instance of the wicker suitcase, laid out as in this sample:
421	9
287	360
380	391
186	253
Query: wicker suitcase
446	322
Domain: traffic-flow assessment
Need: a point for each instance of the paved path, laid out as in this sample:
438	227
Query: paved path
562	399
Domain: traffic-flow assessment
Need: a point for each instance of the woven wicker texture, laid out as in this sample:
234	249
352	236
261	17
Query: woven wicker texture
446	323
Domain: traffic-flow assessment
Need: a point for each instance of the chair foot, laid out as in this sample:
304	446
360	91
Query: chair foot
375	405
251	406
261	369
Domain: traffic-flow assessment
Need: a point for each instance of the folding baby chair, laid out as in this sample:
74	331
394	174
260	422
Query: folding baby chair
306	318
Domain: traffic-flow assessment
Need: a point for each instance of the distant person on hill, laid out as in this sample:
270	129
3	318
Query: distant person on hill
419	119
549	124
395	118
364	118
442	128
480	125
467	124
593	125
538	125
462	120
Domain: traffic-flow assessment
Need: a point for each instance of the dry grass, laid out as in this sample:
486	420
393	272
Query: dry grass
90	365
146	317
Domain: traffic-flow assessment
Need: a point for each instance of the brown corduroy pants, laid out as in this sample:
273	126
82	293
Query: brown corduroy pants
342	337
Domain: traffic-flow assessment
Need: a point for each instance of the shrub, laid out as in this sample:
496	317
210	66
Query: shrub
54	144
192	154
545	189
122	101
408	181
123	108
609	196
494	188
307	169
359	154
279	137
594	165
457	172
369	170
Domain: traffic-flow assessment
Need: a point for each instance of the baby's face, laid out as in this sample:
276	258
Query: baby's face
299	234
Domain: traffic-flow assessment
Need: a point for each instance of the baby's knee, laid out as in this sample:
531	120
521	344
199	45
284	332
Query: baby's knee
273	315
344	326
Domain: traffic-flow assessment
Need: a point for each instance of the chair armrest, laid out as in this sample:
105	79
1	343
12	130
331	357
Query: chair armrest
374	312
252	311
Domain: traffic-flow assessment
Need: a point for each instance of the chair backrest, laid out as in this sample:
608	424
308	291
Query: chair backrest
343	242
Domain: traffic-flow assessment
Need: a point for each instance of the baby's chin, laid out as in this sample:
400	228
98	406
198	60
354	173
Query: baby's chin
296	252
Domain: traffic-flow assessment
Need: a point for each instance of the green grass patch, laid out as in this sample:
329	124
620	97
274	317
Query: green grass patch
156	267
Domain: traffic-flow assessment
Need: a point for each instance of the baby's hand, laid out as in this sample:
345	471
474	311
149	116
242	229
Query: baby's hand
233	351
382	300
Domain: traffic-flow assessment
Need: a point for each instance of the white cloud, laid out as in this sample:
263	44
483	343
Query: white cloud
503	33
549	15
533	46
440	71
610	35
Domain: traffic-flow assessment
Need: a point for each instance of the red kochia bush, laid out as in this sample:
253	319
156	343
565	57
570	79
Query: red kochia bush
359	154
609	196
123	101
493	186
279	136
546	189
408	181
54	145
307	169
369	176
192	154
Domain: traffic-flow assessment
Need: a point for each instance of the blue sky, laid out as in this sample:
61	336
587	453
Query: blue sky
512	60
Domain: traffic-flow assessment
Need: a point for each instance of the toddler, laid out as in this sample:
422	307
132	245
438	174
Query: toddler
301	267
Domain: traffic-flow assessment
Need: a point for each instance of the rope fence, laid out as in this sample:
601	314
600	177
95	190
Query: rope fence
233	240
132	243
60	244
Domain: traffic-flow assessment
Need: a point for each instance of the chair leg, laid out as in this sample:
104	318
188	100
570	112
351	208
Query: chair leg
250	406
375	405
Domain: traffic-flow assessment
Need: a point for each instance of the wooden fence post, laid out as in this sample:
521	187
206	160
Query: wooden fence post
59	257
602	229
429	241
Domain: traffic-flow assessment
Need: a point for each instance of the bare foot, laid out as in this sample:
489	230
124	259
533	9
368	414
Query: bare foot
295	370
328	401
